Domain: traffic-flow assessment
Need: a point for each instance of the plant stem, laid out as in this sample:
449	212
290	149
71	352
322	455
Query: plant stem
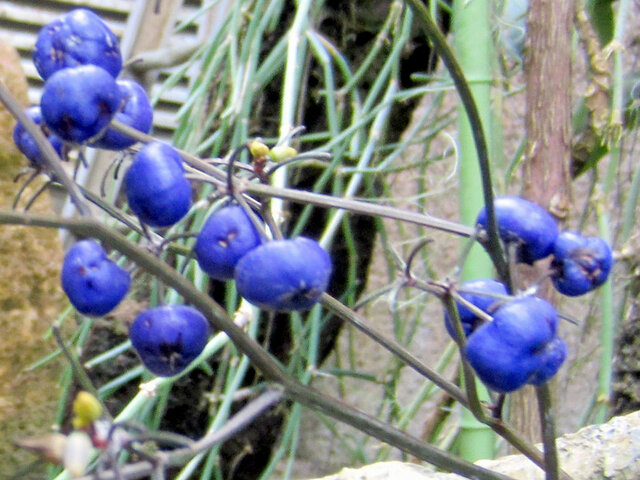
548	432
431	30
270	368
48	153
299	196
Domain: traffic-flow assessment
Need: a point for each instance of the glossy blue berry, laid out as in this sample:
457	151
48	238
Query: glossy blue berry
78	38
26	143
94	284
168	338
78	103
135	112
580	264
473	291
519	346
227	235
524	225
156	187
284	274
550	359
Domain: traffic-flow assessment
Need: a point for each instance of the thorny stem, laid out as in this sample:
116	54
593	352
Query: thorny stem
271	370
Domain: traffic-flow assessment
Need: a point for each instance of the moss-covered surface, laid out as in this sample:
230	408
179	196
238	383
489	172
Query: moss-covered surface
30	299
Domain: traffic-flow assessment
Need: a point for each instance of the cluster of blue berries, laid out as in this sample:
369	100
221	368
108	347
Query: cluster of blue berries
78	56
520	344
280	275
79	59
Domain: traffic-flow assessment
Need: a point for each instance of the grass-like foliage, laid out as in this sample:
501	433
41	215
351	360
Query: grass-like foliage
305	114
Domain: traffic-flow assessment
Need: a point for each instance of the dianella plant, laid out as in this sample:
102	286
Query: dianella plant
338	173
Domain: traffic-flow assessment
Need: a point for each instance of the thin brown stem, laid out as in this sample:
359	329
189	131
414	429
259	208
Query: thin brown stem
270	368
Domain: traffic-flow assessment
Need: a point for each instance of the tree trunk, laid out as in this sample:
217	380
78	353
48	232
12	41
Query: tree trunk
548	118
548	123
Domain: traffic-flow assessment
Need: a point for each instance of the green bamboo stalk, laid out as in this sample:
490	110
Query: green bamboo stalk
474	49
608	324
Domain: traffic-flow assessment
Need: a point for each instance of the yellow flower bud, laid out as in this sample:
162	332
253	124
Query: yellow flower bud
258	149
87	409
282	153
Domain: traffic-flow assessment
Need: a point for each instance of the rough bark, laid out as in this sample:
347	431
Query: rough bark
548	118
546	179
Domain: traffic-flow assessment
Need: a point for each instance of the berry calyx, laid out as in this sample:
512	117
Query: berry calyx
284	275
168	338
155	185
94	284
227	235
523	225
580	264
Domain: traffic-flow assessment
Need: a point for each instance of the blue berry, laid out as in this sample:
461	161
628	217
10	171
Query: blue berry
580	264
169	338
78	38
525	225
519	346
472	291
284	274
135	112
94	284
156	187
78	103
227	235
550	360
26	143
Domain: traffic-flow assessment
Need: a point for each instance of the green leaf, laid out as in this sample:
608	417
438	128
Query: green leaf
601	15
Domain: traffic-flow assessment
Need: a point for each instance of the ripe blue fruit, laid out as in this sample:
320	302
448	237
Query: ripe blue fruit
169	338
26	143
472	291
550	360
227	235
94	284
135	112
579	263
78	38
155	185
284	274
527	226
519	346
78	103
